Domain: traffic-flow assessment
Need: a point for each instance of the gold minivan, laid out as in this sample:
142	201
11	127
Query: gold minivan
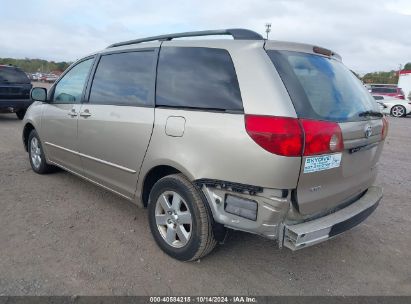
273	138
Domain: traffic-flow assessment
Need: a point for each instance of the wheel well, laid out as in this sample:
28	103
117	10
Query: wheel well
26	132
152	177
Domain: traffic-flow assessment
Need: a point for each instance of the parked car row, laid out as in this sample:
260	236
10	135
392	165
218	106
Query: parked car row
50	77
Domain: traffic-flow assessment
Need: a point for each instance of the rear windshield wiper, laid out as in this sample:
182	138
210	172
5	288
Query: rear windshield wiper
370	114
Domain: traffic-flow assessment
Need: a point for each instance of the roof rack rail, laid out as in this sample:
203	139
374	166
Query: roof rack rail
238	34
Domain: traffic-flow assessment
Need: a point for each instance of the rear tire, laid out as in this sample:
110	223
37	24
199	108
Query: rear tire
179	219
36	155
20	114
398	111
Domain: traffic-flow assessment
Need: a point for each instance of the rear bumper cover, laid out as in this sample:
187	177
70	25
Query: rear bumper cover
305	234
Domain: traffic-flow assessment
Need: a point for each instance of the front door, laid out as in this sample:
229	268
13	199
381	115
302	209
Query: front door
114	127
59	120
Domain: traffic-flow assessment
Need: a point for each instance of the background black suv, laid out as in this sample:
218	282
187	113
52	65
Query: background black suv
15	89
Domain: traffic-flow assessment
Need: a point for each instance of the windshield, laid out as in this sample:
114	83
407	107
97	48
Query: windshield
322	88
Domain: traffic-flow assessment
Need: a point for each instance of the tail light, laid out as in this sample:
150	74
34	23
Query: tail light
321	137
384	131
278	135
294	137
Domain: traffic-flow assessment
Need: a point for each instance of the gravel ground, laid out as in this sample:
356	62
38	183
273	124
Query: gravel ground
61	235
41	84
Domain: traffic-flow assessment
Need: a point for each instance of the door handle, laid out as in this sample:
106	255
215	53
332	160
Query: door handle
86	113
72	113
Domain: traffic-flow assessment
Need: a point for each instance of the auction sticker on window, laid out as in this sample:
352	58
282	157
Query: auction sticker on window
323	162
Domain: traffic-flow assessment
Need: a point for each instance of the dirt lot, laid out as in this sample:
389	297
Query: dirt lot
62	235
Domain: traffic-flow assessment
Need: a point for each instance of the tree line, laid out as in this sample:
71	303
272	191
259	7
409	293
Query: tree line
390	77
36	65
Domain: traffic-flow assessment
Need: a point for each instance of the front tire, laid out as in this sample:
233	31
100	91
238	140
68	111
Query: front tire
398	111
179	219
36	155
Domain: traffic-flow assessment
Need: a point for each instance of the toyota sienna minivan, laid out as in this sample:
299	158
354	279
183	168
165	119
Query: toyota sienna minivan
274	138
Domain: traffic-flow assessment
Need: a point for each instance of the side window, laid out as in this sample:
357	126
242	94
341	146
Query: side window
195	77
123	79
70	88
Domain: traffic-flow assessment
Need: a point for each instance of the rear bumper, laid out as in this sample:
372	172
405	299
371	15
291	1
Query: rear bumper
10	105
313	232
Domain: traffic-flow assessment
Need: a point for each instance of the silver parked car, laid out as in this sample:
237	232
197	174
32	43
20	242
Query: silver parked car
274	138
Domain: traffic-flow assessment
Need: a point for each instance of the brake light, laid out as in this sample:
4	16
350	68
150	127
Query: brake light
322	137
293	137
322	51
278	135
384	131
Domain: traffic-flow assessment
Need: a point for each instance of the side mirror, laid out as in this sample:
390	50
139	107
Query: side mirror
38	94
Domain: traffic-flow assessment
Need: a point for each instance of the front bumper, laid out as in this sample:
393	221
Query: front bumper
313	232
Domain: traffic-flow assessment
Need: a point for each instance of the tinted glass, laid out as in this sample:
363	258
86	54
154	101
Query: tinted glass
197	78
123	79
13	75
384	90
322	88
70	88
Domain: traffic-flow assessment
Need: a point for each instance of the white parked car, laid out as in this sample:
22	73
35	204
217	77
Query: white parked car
394	106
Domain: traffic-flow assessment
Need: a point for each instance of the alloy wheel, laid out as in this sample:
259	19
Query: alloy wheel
397	111
173	219
35	152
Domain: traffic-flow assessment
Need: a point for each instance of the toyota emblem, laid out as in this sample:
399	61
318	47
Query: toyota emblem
368	131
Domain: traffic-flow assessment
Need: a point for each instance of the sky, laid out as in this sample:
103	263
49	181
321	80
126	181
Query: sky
369	35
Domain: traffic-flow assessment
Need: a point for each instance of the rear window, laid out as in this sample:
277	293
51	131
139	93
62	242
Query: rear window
195	77
322	88
13	75
384	90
